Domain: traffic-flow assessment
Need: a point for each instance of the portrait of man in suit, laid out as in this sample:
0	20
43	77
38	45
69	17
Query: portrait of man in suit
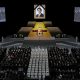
40	14
39	11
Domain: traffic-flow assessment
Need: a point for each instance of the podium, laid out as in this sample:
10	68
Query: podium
40	32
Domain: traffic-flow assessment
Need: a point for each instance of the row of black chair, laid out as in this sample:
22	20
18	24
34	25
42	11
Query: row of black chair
15	63
62	64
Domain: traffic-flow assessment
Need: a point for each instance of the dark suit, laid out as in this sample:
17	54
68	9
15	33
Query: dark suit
42	15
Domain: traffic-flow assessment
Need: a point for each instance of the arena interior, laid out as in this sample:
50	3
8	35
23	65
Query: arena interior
39	49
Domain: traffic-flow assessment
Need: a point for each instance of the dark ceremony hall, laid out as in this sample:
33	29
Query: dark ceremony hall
39	40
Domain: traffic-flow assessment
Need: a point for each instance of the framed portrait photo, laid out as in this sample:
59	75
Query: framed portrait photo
39	11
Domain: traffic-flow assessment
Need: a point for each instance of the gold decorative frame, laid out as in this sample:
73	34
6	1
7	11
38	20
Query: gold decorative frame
43	7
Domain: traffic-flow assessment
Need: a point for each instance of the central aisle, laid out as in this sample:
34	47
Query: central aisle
38	66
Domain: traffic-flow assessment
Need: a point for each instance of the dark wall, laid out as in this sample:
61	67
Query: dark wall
60	12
